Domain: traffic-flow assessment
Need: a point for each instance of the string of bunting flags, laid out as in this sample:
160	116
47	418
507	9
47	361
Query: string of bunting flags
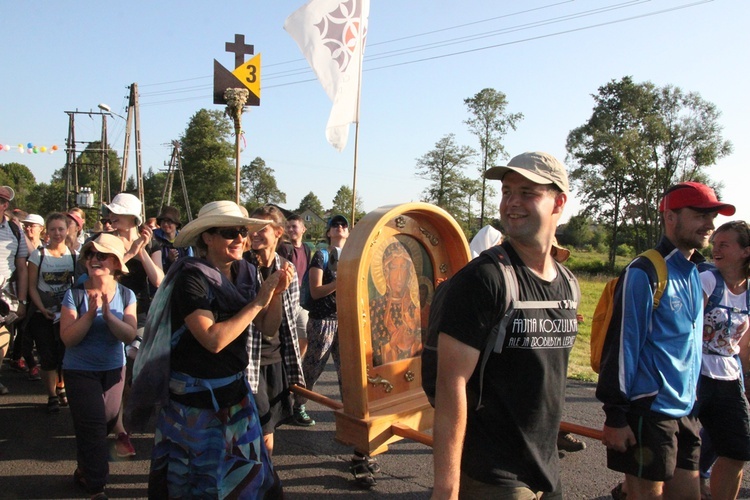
29	148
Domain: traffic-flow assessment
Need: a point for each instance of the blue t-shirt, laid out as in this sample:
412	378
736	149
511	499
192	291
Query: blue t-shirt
99	350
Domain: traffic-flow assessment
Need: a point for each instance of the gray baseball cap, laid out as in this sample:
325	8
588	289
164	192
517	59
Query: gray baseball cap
542	168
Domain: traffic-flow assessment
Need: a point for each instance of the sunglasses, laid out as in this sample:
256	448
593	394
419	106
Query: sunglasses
340	224
230	233
100	256
105	221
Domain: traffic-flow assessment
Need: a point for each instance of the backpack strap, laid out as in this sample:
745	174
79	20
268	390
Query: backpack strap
496	338
660	266
16	232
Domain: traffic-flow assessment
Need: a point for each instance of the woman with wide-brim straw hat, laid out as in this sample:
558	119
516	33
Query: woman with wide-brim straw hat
208	439
97	319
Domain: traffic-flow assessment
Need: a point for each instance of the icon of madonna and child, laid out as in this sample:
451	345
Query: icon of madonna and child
400	294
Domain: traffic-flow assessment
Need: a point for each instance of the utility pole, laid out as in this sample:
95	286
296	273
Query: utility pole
104	166
175	165
133	118
72	186
71	170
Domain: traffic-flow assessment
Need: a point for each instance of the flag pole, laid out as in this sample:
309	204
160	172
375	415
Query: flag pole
360	47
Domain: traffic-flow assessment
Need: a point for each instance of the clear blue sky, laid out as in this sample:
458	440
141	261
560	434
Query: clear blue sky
61	56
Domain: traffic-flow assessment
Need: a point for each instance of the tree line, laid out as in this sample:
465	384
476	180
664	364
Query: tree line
639	139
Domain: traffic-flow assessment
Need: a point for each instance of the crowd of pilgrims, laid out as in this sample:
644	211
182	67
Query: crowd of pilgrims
201	322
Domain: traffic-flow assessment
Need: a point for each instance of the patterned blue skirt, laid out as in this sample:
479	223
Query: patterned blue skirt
200	453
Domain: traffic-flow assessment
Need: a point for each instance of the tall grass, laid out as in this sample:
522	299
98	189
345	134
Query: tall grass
591	270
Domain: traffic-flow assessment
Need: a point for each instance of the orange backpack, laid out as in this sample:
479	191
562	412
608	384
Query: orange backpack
603	311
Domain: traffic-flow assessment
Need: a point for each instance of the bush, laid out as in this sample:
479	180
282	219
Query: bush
624	250
591	267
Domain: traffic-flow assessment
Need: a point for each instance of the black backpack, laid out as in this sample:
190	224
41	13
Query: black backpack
496	337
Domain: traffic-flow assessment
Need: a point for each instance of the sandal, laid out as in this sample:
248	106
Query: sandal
62	396
53	404
362	468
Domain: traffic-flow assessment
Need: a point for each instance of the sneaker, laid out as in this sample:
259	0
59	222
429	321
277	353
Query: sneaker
53	404
301	418
3	390
123	446
34	373
18	365
566	442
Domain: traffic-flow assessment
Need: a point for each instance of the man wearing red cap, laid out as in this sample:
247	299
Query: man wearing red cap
652	355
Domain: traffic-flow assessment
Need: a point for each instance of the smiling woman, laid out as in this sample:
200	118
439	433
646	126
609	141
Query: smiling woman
193	360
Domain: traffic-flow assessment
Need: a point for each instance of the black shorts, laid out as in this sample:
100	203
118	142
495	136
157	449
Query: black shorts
663	444
46	335
723	411
274	400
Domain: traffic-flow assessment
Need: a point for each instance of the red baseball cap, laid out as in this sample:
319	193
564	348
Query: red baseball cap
76	218
693	195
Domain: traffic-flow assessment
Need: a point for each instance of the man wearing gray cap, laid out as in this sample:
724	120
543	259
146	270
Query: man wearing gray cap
13	255
497	416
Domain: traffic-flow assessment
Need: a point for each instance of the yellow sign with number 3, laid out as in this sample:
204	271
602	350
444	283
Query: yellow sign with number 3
249	74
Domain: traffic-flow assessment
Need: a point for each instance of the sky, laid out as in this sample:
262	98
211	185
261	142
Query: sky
423	58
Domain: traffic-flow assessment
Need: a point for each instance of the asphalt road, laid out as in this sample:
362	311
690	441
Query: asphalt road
37	454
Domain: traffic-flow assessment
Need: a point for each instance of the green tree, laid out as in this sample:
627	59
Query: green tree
490	122
207	158
639	140
342	204
578	231
312	203
443	167
20	178
259	184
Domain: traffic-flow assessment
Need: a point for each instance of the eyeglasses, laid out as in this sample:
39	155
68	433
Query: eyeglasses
340	224
230	233
30	225
100	256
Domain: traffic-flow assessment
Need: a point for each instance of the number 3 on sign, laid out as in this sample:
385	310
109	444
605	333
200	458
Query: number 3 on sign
249	74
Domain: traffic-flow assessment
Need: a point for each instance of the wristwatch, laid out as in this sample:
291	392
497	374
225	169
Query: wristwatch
23	302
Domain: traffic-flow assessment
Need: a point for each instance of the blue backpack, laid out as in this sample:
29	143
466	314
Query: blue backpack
305	297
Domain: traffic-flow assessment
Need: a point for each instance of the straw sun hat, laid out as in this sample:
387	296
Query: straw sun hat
107	243
216	214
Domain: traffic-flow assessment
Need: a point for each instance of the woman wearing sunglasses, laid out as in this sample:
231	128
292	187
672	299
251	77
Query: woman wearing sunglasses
208	440
97	320
721	406
275	363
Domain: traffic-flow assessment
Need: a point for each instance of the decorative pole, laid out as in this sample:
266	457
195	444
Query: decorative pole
236	99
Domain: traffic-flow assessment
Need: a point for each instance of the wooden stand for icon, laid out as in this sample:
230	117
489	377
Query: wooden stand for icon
385	403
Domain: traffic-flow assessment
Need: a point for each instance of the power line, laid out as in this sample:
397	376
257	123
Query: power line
434	45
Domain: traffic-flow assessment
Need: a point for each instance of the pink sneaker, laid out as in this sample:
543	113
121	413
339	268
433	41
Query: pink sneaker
34	373
123	446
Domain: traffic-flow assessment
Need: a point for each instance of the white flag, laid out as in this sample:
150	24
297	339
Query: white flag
331	35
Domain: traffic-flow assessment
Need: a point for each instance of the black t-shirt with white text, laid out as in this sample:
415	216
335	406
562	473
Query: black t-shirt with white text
511	440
